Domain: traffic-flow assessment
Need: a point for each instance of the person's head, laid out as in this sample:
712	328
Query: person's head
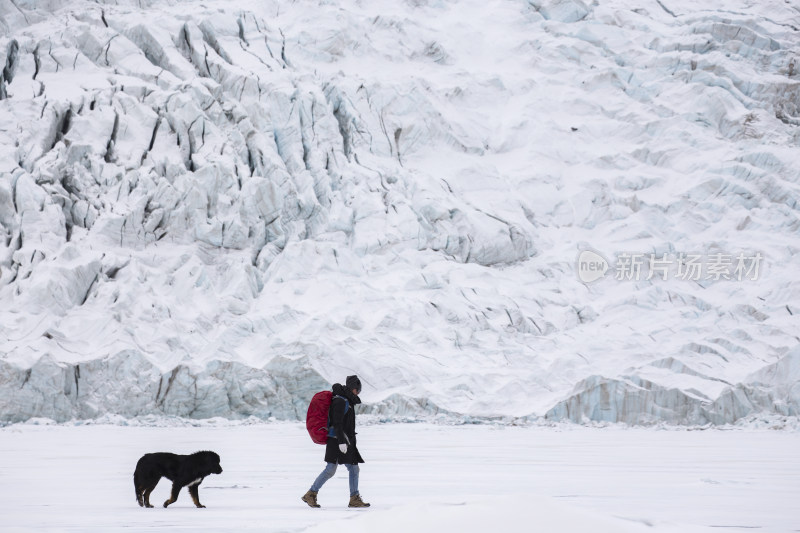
353	384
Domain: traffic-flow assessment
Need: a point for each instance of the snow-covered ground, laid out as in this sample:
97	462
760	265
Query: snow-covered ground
213	208
418	477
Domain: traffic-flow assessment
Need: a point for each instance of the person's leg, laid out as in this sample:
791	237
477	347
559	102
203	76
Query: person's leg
325	475
353	471
355	497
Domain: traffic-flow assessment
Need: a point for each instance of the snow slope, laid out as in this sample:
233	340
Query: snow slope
469	479
216	209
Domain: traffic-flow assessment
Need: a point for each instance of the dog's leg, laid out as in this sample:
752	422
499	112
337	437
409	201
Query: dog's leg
146	496
173	497
195	495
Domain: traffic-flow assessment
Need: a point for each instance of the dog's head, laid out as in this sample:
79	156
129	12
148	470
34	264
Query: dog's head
209	462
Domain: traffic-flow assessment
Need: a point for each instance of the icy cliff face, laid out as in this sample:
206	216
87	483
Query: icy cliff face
209	209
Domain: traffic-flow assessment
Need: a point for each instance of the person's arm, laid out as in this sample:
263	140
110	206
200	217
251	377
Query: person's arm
337	420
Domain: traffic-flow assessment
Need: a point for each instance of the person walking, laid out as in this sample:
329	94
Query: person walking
341	447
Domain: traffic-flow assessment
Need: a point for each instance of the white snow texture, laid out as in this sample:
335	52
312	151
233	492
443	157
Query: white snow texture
218	208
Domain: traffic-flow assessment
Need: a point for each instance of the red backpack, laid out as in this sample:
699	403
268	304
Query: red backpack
317	416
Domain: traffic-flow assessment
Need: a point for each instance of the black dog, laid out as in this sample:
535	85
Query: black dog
182	470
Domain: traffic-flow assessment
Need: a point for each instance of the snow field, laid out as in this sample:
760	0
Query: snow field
418	477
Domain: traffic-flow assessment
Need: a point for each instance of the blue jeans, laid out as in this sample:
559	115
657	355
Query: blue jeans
330	470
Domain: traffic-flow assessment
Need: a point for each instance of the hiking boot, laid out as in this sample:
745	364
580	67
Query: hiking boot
356	501
310	498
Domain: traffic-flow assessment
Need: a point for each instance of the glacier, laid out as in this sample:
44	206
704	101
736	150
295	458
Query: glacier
209	209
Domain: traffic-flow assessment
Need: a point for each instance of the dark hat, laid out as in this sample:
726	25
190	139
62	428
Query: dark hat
353	383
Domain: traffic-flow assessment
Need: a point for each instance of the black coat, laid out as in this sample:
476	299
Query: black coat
344	427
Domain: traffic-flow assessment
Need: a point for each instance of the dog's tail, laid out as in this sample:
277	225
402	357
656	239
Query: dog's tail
136	483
